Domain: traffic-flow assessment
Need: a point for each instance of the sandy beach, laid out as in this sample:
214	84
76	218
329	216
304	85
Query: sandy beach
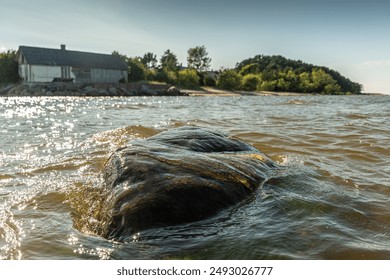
209	91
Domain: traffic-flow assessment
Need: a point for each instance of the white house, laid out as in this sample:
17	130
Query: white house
40	65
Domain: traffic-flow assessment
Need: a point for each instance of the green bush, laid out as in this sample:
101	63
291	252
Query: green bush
267	85
171	77
166	76
229	79
150	74
249	69
250	82
188	78
209	81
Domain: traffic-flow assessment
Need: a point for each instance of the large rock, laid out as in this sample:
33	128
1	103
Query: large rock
178	176
113	91
174	91
4	90
90	91
144	89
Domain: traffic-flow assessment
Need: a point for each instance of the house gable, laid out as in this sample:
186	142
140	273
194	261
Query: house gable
76	59
48	65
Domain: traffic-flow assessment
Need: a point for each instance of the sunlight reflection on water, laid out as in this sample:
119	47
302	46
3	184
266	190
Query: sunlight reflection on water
331	200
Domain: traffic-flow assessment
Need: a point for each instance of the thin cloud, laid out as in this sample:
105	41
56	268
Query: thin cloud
385	62
2	49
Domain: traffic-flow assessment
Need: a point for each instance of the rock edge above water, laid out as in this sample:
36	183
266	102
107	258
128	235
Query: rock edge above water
178	176
71	89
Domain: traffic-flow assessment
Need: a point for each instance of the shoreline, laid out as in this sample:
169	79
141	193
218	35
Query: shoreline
209	91
132	89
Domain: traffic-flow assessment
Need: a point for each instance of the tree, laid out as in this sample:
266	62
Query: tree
229	79
119	54
198	58
149	60
305	83
294	75
267	85
136	69
249	69
324	82
169	61
8	67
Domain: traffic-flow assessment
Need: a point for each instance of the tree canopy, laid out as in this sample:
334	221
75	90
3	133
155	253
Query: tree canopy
149	60
261	73
8	67
169	61
198	58
282	74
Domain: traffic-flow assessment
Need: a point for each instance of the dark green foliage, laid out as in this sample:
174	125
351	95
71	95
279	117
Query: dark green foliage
210	81
136	69
282	74
149	60
166	76
262	72
198	58
201	77
8	67
169	61
229	79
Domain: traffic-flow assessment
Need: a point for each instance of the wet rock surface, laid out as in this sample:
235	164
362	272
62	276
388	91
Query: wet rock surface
178	176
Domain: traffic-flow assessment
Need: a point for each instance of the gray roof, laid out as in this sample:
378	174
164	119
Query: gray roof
43	56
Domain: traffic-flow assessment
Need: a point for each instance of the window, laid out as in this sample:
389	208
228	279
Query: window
65	72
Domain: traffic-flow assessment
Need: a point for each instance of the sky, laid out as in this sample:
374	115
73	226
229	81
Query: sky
352	37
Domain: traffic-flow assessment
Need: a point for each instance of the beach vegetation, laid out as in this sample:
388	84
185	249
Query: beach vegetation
266	86
166	76
210	81
188	78
229	79
250	82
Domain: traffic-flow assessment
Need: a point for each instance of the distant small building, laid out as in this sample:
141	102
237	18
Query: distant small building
40	65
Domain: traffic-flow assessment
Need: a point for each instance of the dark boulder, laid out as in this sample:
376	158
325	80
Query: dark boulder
174	91
178	176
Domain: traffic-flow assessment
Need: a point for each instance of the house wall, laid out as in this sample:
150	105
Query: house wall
23	71
40	73
46	74
83	75
107	75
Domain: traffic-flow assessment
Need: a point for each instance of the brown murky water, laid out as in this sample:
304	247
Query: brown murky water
332	200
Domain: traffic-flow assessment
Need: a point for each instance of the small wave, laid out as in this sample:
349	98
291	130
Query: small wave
5	177
10	236
120	136
131	106
296	102
355	116
87	202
